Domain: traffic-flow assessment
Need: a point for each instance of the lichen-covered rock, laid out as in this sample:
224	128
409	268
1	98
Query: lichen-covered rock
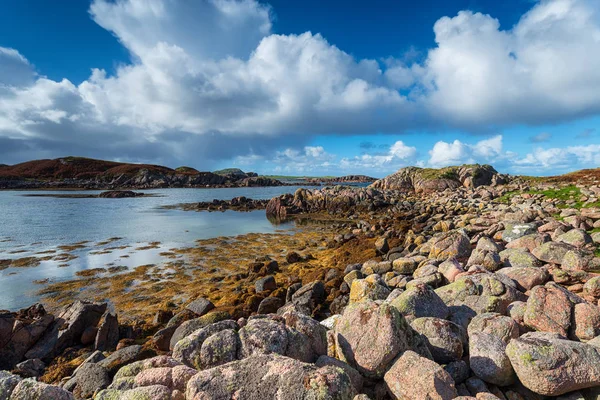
369	336
516	230
371	288
490	260
8	382
125	356
188	327
444	339
263	336
355	377
90	377
550	365
154	392
450	244
552	252
549	309
575	237
592	287
519	258
404	265
420	301
413	377
189	349
526	277
28	389
586	321
219	348
315	332
503	327
488	360
270	376
528	242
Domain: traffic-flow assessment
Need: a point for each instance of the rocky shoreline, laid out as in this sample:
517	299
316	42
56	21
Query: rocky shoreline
460	283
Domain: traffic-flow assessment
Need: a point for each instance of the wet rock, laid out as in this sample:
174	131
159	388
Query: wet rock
415	377
488	360
444	339
369	336
270	376
550	365
420	301
200	306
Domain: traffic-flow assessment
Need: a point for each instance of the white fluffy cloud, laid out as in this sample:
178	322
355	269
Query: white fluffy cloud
399	155
208	81
569	157
485	151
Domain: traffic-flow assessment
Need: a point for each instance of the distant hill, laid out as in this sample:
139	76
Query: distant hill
87	173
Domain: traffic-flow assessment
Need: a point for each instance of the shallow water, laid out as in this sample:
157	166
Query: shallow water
32	225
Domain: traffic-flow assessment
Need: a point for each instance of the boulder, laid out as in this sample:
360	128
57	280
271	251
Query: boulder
309	297
552	252
515	230
450	244
371	288
265	284
270	376
503	327
519	258
20	337
28	389
414	377
200	306
549	309
526	277
8	382
575	237
107	336
550	365
189	349
188	327
586	322
420	301
444	339
369	336
488	360
125	356
67	329
90	378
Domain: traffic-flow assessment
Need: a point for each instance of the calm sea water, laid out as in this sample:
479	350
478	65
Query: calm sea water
32	225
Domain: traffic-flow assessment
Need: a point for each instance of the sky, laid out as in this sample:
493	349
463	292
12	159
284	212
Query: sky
306	87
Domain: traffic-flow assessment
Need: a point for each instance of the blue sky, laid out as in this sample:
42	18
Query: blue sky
307	87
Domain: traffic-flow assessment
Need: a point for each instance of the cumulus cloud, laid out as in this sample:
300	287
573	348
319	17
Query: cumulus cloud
569	157
489	150
208	79
398	155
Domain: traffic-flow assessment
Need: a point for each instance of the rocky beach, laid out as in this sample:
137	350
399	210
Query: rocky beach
428	284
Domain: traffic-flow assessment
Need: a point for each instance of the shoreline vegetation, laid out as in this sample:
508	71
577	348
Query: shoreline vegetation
425	284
